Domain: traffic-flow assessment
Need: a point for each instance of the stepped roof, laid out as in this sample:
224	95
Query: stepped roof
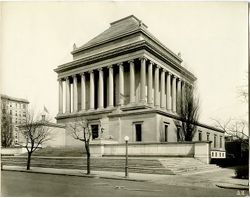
120	28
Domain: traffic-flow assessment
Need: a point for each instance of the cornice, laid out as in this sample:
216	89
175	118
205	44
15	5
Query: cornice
123	50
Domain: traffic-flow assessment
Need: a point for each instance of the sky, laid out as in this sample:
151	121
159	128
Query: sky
36	37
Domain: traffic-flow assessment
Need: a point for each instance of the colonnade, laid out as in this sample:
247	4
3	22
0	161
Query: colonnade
170	88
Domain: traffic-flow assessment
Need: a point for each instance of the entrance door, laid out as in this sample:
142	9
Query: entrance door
95	129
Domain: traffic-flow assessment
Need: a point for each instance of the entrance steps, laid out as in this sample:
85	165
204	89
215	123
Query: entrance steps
183	165
149	165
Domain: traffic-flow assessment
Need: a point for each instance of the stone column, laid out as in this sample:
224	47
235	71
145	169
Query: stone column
168	91
183	93
178	95
143	80
150	83
121	84
156	88
100	89
174	94
111	86
92	91
132	81
163	101
60	96
83	96
75	97
68	101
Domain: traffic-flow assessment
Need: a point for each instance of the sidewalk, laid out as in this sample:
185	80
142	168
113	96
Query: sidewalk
223	178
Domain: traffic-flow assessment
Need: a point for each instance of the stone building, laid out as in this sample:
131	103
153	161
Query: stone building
125	82
14	109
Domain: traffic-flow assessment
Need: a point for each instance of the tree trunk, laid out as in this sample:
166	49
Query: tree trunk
88	157
28	160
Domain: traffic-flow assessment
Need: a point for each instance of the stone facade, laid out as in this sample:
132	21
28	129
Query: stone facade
126	82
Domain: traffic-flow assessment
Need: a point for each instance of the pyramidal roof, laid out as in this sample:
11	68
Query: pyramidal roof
117	28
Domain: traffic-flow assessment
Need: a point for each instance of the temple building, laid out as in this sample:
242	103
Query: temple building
125	82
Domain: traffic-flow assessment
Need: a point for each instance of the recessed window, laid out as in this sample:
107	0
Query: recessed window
138	132
166	133
94	130
208	134
178	134
220	141
215	138
200	136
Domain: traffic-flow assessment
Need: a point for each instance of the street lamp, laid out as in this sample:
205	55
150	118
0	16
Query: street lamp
126	138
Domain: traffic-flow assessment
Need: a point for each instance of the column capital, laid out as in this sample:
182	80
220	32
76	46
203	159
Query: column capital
179	79
67	78
60	79
164	70
90	71
169	73
142	58
120	64
131	61
82	74
110	66
157	66
173	76
151	62
100	69
74	75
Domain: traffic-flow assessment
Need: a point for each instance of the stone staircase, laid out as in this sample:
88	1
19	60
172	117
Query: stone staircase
185	165
153	165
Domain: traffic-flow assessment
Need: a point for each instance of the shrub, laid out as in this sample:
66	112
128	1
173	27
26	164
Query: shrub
241	172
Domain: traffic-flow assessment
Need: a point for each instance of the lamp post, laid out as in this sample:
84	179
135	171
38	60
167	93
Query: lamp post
126	138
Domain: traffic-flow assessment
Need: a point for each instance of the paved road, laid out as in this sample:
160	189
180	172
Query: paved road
34	184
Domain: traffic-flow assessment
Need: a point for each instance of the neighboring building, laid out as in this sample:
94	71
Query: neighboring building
16	109
125	82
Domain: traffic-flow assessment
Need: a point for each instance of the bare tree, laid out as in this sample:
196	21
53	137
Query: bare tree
189	114
6	130
34	133
80	131
243	89
234	129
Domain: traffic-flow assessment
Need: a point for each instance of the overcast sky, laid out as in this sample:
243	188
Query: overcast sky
212	38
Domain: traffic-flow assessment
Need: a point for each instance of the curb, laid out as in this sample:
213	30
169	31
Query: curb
78	175
233	186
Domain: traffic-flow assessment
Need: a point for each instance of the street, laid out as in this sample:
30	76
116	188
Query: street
33	184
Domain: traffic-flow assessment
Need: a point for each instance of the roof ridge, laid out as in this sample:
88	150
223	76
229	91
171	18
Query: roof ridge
125	18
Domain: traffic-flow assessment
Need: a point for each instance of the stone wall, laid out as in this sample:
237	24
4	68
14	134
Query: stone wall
198	150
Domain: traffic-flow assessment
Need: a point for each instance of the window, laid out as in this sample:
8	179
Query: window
138	134
220	141
200	136
208	136
166	133
23	106
94	129
178	134
215	141
10	112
